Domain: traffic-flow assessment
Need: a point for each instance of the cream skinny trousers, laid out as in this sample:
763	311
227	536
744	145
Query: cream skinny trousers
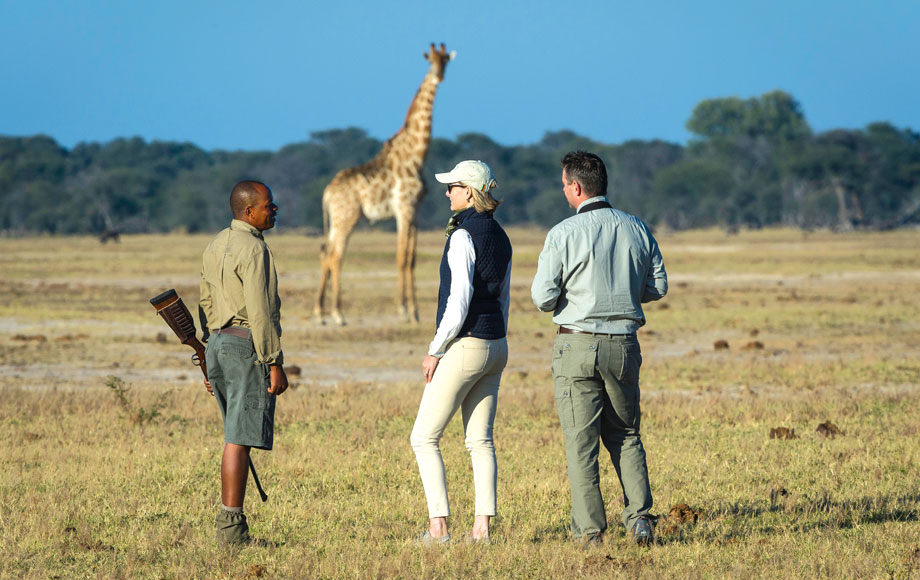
467	378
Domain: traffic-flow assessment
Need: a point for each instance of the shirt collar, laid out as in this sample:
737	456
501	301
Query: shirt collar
591	200
241	226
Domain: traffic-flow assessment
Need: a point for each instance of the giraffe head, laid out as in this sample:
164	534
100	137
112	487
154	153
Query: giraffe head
438	59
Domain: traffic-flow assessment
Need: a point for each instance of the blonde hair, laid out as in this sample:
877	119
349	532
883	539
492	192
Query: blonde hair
483	201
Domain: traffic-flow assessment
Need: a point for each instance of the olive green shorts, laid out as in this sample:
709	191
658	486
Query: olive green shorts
241	389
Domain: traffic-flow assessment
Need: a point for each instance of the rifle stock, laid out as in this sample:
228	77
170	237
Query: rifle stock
176	314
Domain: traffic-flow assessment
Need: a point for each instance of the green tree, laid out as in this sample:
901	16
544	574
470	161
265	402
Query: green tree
754	141
776	116
691	193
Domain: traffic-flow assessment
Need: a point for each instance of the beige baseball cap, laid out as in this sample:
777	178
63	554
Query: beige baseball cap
476	174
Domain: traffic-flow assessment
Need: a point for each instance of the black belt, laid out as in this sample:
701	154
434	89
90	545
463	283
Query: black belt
564	330
240	332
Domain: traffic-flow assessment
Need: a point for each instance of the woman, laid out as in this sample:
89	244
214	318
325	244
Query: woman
469	351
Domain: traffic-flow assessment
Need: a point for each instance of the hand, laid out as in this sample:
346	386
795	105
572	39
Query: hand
278	378
207	385
428	365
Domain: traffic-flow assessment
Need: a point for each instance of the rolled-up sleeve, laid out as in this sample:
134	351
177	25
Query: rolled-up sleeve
656	283
260	294
547	284
204	307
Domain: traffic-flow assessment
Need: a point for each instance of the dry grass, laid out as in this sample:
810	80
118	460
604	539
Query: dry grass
89	489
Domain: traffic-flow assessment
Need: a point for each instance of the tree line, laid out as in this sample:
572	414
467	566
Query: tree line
750	163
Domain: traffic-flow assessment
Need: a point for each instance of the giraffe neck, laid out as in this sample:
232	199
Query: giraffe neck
411	142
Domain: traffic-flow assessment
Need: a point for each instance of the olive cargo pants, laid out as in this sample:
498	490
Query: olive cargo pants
597	397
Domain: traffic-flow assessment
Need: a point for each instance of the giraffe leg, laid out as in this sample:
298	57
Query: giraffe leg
335	269
342	221
405	262
331	269
402	238
410	278
323	279
336	252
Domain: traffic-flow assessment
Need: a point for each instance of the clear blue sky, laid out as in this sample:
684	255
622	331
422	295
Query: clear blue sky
258	75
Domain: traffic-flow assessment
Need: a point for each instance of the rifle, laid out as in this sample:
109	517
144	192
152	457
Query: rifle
176	314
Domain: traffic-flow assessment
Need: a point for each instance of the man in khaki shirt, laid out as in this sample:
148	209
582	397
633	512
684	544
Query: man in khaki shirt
240	313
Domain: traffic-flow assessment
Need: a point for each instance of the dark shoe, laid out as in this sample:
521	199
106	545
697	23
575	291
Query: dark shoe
260	543
591	541
642	532
232	528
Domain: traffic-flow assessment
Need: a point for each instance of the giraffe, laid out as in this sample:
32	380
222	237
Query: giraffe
388	186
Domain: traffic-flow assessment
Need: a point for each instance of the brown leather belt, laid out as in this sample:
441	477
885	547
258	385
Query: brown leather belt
564	330
240	332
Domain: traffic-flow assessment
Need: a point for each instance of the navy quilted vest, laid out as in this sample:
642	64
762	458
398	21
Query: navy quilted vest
493	254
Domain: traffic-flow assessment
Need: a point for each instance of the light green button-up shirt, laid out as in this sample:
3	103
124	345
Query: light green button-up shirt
596	269
239	287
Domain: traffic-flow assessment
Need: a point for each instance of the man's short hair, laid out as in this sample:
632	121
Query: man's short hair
244	195
588	170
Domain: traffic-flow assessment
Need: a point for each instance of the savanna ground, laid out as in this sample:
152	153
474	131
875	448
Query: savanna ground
818	327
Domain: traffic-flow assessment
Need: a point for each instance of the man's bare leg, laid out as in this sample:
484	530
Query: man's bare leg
234	471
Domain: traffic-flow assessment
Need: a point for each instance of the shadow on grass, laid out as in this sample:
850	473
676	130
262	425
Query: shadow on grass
555	533
866	509
741	521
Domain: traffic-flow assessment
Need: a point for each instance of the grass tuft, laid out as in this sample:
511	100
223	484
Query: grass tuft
131	410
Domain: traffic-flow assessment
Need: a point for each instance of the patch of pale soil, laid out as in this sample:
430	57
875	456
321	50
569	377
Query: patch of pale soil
711	249
155	284
327	363
63	376
353	319
742	391
334	375
708	278
703	344
54	328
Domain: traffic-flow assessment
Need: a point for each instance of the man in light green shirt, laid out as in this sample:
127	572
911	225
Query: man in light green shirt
240	314
595	271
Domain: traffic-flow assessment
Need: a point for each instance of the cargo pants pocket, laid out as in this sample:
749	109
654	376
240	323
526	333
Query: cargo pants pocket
572	361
